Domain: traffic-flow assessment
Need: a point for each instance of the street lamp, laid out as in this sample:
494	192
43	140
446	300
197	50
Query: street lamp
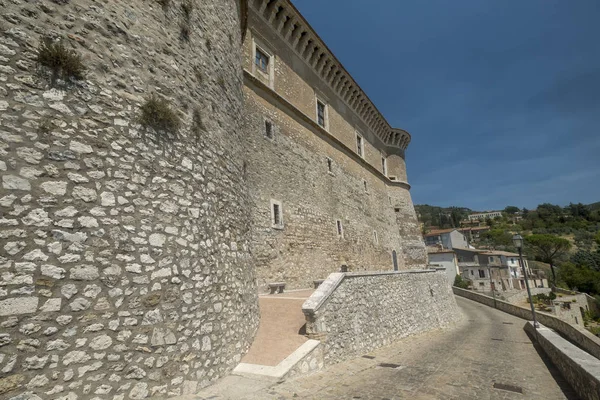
518	242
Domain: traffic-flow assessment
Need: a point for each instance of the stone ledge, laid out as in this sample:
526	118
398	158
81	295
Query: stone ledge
580	369
283	368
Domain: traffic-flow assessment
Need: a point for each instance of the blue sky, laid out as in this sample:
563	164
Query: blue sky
502	97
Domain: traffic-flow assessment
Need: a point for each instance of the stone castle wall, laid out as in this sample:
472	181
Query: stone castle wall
353	314
376	213
124	264
292	168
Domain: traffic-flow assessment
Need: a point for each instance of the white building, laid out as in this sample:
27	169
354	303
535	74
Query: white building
485	215
447	239
446	259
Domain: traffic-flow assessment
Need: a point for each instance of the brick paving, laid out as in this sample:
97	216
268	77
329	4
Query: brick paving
463	362
278	336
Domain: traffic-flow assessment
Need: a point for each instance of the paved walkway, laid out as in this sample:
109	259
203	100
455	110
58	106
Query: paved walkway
278	335
489	347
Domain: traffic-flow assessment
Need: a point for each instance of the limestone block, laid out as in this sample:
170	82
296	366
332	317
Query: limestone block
51	305
11	182
162	336
18	305
84	273
55	188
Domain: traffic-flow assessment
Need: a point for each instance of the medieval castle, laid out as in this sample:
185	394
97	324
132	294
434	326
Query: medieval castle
131	259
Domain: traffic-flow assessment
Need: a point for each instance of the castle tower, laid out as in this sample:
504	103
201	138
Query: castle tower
124	217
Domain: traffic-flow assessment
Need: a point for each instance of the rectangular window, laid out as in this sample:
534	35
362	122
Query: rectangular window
321	113
329	165
365	185
340	228
384	165
276	214
491	259
472	273
262	60
359	145
375	238
268	129
482	273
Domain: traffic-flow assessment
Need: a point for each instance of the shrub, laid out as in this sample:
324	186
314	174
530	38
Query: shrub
64	64
460	282
595	330
45	126
156	114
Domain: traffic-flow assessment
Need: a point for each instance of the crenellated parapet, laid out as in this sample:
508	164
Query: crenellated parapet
291	26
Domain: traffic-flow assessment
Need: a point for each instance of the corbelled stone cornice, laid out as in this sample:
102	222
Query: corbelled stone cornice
290	25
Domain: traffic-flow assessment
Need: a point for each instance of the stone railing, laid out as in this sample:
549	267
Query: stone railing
354	313
581	370
574	334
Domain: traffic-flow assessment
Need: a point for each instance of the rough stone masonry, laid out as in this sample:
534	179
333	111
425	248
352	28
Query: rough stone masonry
124	263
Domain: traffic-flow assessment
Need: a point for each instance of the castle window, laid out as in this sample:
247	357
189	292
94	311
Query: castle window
276	215
262	60
392	178
359	145
329	165
375	238
268	129
339	227
365	185
321	114
263	64
384	165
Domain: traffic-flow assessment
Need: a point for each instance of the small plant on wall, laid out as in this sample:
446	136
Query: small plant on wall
62	63
156	116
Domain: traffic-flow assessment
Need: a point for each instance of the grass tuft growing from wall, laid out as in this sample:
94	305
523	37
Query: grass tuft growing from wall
64	64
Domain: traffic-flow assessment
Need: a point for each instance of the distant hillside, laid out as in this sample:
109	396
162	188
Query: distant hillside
594	206
544	216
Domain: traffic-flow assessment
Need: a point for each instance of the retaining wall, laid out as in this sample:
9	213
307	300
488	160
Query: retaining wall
576	335
581	370
354	313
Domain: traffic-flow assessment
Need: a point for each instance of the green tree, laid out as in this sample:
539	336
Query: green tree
548	249
497	238
580	277
511	210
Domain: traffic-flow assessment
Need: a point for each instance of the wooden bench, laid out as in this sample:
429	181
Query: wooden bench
277	287
318	282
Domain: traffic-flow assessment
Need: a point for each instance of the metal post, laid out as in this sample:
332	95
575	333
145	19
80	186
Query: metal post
492	286
535	324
